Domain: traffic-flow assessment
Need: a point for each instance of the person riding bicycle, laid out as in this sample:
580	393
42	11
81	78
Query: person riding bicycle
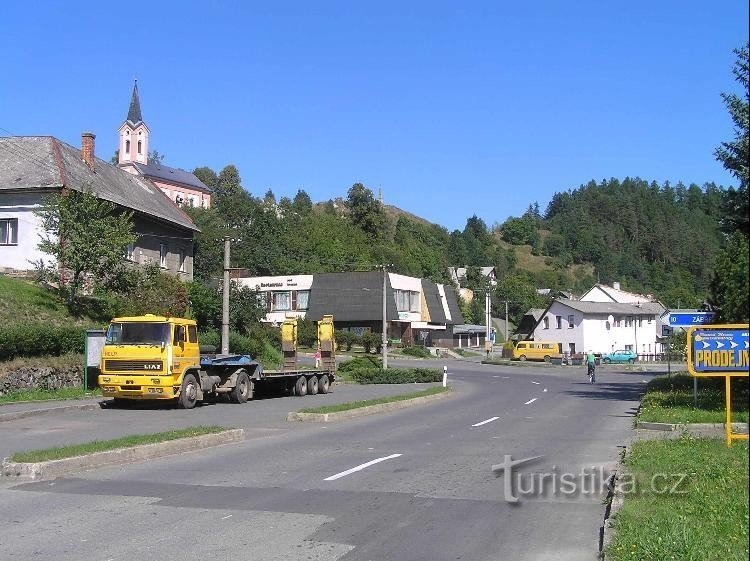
591	364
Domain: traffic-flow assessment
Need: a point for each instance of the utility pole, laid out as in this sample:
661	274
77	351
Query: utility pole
507	329
385	322
225	304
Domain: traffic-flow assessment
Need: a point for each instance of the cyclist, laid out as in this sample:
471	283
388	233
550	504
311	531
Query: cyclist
591	365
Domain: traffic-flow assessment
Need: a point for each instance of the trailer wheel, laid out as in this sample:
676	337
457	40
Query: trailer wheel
324	384
300	388
188	393
312	385
243	388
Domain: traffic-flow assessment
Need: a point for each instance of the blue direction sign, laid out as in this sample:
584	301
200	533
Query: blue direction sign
718	350
689	319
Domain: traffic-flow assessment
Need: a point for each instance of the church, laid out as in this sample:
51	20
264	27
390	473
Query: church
180	186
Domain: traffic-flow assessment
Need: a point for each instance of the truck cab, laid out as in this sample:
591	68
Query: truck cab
146	357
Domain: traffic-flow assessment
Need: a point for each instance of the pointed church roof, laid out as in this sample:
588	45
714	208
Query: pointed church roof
134	111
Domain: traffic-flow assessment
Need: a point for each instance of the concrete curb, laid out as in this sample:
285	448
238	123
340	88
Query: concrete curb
369	410
47	410
55	468
736	427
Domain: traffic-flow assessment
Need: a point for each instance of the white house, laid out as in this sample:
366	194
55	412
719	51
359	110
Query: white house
604	293
578	326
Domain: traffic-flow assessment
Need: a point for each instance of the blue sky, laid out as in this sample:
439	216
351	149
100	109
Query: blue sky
451	109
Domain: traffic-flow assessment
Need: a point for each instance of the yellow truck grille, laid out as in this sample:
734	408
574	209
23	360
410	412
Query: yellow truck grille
141	366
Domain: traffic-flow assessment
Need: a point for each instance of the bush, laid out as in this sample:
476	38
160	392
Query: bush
307	334
345	338
396	375
40	339
360	363
420	352
370	340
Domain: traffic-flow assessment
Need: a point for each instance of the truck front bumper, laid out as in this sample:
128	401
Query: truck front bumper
138	387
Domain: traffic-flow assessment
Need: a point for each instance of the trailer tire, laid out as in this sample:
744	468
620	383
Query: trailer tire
324	384
300	388
188	392
312	385
243	388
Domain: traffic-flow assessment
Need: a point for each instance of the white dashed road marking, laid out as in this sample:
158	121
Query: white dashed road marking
537	383
360	467
531	401
485	422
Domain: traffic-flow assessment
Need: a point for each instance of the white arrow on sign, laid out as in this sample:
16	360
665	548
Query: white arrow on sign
732	344
706	344
719	345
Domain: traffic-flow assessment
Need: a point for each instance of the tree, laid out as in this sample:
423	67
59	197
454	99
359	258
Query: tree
729	287
734	155
229	182
86	236
364	211
155	158
207	176
302	203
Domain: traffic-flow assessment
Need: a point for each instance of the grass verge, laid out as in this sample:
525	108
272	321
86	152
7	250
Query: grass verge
671	401
46	395
103	445
708	519
378	401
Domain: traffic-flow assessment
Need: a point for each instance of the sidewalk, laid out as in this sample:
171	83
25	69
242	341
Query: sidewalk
10	411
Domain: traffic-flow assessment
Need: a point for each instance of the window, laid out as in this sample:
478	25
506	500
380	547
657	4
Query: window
182	261
163	255
140	151
571	323
179	333
178	199
629	321
127	147
572	348
648	320
628	347
281	301
9	231
406	300
618	321
546	322
303	299
193	333
130	252
559	321
640	321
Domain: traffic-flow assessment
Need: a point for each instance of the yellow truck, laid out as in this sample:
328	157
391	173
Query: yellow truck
154	357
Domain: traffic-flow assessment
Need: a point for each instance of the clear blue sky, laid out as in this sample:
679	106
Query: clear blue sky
453	110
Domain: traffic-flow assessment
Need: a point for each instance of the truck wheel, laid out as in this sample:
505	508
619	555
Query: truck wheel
631	360
324	384
522	358
607	361
312	385
300	388
188	393
243	388
546	358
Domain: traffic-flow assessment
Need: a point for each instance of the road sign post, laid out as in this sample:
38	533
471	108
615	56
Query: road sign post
720	350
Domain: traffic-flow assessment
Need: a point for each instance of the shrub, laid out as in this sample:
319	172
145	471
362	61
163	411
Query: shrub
420	352
396	375
40	339
360	363
345	338
370	340
307	334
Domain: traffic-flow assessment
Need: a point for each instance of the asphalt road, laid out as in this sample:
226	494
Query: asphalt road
416	484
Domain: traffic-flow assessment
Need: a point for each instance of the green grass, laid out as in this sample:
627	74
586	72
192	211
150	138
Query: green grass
102	445
708	521
21	299
378	401
45	395
668	401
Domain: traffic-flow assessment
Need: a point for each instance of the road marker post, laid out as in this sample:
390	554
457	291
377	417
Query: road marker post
445	376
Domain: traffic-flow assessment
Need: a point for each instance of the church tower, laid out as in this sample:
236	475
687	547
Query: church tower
134	134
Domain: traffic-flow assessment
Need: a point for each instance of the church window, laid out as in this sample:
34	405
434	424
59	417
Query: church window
127	147
140	151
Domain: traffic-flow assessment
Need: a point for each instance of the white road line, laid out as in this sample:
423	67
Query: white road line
360	467
485	422
531	401
544	390
228	516
537	383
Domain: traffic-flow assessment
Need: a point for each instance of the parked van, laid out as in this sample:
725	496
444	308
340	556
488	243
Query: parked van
536	350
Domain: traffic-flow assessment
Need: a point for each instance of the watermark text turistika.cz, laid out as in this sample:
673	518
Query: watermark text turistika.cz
588	481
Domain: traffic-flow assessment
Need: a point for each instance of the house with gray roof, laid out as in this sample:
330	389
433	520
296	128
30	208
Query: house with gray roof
578	326
181	186
34	167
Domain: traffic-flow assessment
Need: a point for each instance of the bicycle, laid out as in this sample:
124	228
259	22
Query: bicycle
591	373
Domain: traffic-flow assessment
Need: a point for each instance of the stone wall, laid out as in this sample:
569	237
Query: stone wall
42	378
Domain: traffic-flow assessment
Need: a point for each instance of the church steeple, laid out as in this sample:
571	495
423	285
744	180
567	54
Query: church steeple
134	133
134	111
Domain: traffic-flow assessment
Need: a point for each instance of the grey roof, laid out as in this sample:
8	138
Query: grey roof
469	328
536	313
356	296
134	111
433	300
452	300
174	175
612	307
43	162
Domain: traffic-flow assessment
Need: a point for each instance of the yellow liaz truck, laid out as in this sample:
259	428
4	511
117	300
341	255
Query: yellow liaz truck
158	358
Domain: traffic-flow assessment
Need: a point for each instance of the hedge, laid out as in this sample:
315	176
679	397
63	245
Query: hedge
420	352
396	375
40	339
360	363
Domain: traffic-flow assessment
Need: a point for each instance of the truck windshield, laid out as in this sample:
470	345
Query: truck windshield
132	333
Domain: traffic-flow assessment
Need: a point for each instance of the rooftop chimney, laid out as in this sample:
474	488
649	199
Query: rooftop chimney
87	148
